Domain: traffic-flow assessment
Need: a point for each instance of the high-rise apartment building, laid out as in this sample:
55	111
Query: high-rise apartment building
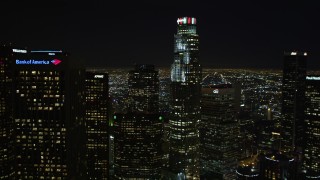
219	132
137	133
97	123
48	113
186	80
312	133
293	98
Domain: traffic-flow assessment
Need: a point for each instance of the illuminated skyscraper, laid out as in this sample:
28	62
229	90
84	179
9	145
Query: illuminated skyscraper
97	99
137	133
312	121
7	158
293	98
144	89
48	111
186	67
137	146
186	79
219	131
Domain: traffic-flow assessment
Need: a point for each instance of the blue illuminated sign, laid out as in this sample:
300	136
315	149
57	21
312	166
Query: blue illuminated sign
38	62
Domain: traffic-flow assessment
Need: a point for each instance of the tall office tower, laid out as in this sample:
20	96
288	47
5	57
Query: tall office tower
137	133
137	147
7	158
312	121
48	111
186	79
293	98
144	89
219	131
97	99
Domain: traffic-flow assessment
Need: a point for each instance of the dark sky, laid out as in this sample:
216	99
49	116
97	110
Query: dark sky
120	33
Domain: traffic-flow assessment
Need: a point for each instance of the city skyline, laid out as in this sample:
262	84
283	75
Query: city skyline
260	101
63	118
236	35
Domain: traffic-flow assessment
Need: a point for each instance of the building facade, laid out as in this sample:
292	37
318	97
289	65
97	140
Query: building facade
186	80
293	98
48	112
312	122
7	139
219	132
137	149
138	132
97	123
144	89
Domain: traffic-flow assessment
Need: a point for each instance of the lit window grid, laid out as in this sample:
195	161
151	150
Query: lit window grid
41	141
97	126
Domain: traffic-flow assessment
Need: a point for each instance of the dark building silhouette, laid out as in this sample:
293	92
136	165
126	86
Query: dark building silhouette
48	112
312	121
186	80
278	166
138	132
267	137
8	54
97	123
293	98
219	132
144	89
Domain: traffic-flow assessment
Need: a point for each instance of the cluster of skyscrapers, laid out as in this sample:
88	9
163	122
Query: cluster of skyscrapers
57	121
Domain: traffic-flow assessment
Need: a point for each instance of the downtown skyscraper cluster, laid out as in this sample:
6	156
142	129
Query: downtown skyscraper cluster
57	121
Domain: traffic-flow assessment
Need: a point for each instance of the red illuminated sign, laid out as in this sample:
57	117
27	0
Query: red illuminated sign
56	61
186	20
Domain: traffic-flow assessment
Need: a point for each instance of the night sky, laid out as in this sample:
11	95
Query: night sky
104	33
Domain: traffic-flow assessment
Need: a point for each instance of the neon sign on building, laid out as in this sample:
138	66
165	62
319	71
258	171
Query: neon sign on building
38	62
19	50
187	20
98	76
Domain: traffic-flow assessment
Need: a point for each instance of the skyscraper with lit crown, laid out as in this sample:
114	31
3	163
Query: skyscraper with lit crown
186	77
